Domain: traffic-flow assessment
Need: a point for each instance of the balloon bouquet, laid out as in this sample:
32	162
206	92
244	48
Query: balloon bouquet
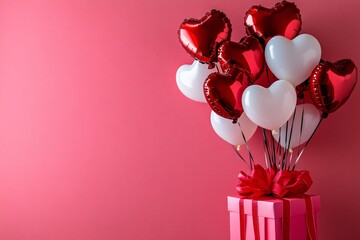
300	89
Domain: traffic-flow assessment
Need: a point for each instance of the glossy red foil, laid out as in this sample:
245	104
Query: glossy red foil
247	55
331	84
223	93
201	38
284	19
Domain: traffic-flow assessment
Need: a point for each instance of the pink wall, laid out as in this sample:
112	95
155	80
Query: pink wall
96	141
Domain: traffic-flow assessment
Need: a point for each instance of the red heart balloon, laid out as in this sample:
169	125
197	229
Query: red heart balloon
223	93
331	84
248	55
284	19
201	38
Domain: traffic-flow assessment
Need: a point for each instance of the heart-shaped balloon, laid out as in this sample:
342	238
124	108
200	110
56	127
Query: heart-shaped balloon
269	107
190	80
223	93
201	38
293	60
248	55
331	84
233	133
284	19
306	119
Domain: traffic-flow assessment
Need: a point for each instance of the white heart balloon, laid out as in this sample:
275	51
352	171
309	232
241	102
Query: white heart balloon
306	119
269	107
190	80
231	132
293	60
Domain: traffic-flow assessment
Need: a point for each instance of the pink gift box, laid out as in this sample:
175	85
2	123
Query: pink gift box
270	212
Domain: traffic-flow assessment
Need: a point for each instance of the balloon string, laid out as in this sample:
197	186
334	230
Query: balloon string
301	130
273	142
241	157
288	144
284	154
297	159
290	159
266	151
266	160
272	145
267	148
217	68
247	147
278	150
269	145
284	162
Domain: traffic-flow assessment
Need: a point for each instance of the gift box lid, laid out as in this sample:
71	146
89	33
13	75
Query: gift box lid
273	207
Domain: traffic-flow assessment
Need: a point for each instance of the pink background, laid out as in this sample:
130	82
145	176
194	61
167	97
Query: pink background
96	141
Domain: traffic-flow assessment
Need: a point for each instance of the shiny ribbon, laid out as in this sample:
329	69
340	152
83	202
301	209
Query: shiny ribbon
310	222
242	220
255	217
270	182
262	184
286	219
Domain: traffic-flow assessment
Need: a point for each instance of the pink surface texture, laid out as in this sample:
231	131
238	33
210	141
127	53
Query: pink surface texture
97	142
270	214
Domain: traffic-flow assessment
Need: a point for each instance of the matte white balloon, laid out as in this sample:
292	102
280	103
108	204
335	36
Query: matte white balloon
231	132
310	121
269	107
293	60
190	80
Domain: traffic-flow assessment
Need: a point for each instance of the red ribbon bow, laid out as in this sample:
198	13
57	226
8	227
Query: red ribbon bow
271	182
265	182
